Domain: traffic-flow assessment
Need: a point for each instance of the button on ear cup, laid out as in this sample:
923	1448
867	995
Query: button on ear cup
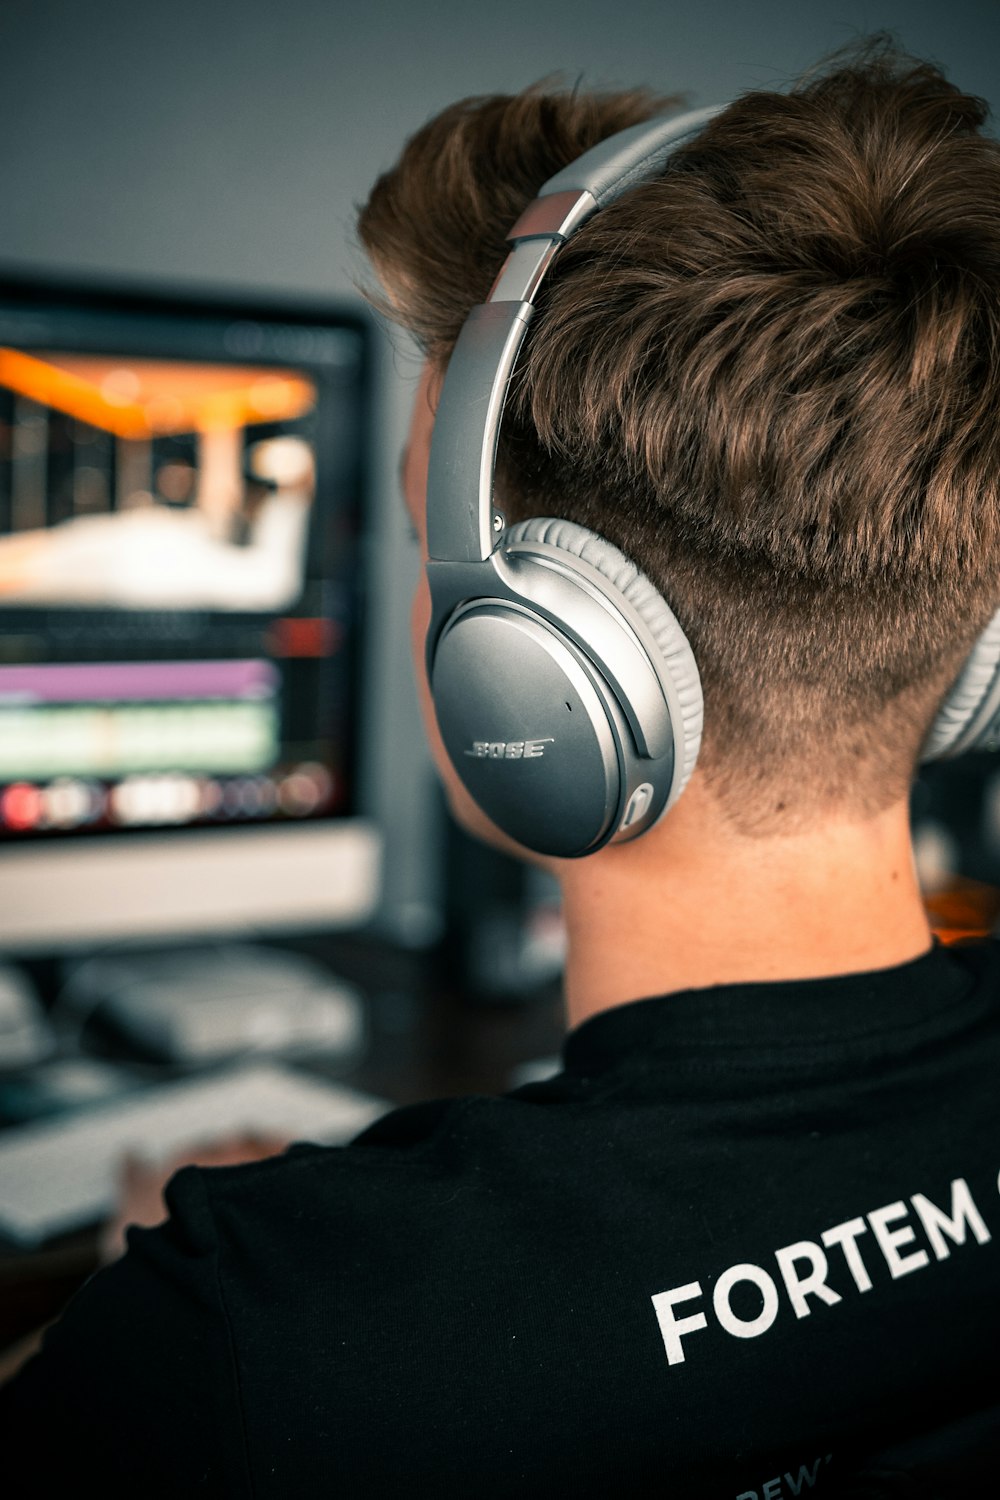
972	698
639	595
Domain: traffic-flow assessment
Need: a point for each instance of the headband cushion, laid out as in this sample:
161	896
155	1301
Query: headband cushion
659	619
635	154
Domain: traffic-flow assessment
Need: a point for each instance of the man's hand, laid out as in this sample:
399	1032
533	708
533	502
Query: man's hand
140	1201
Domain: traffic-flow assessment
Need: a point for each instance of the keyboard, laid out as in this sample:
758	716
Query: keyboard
62	1174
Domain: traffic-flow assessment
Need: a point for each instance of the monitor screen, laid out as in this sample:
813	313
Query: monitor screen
181	595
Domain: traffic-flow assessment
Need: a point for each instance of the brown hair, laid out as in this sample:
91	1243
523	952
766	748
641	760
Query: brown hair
771	376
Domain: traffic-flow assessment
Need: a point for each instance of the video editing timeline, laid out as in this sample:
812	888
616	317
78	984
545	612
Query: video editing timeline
83	741
179	579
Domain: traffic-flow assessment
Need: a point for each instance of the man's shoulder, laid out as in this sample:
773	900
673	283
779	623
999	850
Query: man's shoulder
413	1143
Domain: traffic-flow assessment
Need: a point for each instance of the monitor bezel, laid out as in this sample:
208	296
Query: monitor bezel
140	884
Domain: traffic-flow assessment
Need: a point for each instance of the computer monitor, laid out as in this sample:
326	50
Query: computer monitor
182	533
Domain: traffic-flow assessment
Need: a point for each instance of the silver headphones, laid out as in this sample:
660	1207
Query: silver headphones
567	695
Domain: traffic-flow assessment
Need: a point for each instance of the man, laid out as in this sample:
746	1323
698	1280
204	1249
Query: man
745	1244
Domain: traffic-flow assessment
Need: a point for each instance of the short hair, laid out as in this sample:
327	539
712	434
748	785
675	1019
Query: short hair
771	376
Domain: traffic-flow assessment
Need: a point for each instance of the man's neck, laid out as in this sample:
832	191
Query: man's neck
693	904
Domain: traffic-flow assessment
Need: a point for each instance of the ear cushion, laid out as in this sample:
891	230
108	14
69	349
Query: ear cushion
639	593
974	685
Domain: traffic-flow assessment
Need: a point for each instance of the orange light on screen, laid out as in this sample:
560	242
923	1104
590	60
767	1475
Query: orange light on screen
145	398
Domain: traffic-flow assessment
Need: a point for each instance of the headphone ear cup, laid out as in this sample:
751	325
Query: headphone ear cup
969	717
641	596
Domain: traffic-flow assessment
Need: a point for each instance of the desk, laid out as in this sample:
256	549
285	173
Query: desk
424	1041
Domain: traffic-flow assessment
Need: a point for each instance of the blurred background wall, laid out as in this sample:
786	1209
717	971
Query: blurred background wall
212	144
228	142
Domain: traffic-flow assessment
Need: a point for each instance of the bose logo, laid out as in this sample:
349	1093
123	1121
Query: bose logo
509	749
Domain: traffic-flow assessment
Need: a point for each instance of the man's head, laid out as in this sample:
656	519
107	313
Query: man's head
772	378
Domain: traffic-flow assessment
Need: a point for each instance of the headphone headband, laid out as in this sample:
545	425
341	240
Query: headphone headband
461	524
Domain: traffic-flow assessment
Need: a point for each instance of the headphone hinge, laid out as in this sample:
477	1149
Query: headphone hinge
554	214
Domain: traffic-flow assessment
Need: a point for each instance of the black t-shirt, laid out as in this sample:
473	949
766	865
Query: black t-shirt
747	1238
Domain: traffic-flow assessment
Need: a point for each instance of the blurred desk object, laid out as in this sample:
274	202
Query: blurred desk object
424	1040
962	910
211	1003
